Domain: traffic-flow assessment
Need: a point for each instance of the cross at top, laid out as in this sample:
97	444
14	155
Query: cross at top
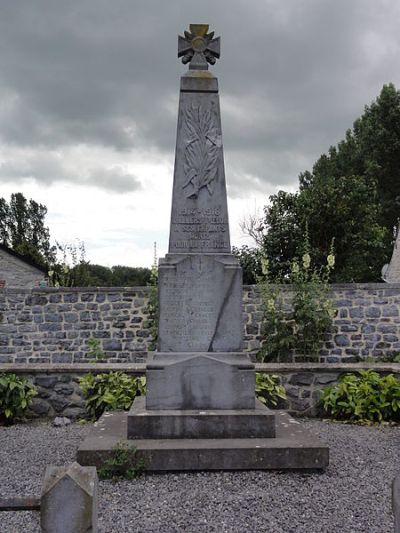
198	48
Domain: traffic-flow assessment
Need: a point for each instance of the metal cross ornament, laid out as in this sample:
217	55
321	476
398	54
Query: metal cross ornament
198	48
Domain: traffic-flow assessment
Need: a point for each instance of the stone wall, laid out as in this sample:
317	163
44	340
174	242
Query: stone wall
17	273
53	325
60	394
367	323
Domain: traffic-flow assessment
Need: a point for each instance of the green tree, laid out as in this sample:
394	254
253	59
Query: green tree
22	228
4	228
284	231
351	195
124	276
100	276
250	261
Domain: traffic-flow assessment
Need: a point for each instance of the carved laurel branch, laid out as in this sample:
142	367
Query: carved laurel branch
202	149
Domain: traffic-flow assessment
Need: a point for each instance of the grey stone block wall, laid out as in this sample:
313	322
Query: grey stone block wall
59	393
53	325
367	323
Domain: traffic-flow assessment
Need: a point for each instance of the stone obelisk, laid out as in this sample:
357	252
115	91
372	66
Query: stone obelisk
200	287
200	281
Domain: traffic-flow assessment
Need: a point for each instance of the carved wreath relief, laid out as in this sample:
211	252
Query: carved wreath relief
202	149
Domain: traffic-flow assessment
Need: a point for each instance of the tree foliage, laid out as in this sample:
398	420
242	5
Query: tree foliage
352	196
250	261
23	229
74	270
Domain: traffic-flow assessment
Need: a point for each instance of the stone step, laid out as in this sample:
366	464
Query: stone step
294	448
195	424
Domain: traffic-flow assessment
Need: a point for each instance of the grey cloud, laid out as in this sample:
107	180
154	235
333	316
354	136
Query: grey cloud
114	178
48	169
104	74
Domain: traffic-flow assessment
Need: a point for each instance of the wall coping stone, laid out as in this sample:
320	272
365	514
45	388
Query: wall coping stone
139	368
343	286
40	290
338	286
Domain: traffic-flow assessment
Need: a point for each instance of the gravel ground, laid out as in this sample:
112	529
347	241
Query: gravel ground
352	495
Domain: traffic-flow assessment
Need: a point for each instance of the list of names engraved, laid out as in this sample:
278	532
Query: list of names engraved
191	305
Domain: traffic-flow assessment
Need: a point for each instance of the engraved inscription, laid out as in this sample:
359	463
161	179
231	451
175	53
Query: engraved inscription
200	228
202	149
191	306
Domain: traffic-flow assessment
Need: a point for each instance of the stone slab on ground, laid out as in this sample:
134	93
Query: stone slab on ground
196	424
294	448
200	381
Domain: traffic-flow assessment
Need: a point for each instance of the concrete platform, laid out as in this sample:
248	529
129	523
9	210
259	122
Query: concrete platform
294	448
195	424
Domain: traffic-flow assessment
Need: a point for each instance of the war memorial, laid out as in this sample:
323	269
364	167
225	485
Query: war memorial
200	411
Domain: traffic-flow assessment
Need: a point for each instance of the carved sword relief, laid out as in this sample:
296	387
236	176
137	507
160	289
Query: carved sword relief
202	149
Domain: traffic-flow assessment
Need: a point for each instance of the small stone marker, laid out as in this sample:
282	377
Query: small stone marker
396	503
69	500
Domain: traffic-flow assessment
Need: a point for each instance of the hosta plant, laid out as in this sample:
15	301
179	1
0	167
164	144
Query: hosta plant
110	391
269	389
16	394
363	397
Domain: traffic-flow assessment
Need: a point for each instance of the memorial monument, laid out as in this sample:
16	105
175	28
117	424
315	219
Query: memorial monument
200	410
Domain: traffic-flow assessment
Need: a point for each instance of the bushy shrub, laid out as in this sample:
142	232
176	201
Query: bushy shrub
365	396
269	389
110	391
16	394
296	330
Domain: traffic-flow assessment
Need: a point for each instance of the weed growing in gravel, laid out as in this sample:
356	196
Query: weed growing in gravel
123	463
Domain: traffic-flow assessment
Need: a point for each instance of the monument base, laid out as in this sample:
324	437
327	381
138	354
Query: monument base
144	423
205	380
292	448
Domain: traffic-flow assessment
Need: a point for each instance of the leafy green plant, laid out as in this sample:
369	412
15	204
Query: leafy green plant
365	396
390	357
15	396
95	353
250	261
110	391
269	389
294	328
152	306
123	463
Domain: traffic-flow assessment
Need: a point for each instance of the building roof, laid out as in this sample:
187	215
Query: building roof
28	260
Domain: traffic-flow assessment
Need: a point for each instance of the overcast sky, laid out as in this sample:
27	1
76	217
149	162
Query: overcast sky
89	101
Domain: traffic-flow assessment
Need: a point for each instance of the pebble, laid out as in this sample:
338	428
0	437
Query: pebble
61	421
